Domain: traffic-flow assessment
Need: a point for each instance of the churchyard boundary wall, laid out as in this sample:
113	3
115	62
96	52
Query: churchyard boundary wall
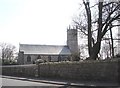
101	71
20	70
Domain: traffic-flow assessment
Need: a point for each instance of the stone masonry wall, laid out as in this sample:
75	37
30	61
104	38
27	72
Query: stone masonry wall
105	71
102	71
20	70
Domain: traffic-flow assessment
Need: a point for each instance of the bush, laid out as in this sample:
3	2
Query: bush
38	61
9	62
117	56
76	58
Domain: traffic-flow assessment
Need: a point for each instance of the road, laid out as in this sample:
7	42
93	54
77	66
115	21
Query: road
14	82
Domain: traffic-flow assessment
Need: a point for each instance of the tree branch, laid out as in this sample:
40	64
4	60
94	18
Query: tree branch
107	24
108	18
107	4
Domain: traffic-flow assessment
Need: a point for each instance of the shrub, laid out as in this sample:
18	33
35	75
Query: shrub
38	61
117	56
9	62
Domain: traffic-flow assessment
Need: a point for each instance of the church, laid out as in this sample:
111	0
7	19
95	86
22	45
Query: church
29	53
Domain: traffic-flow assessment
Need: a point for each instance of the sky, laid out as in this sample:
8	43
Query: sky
36	21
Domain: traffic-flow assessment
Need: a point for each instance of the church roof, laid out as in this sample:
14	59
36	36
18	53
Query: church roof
45	49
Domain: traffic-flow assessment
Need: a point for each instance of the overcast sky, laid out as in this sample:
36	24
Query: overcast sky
36	21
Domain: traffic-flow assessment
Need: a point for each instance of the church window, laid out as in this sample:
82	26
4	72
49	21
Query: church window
39	57
49	58
28	58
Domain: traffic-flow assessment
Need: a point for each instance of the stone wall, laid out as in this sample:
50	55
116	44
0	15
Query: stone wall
20	70
106	71
21	57
102	71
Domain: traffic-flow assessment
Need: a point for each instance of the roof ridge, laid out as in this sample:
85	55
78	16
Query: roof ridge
41	45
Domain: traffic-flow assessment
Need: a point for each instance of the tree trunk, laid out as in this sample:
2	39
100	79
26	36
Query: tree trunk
96	50
88	11
96	47
112	46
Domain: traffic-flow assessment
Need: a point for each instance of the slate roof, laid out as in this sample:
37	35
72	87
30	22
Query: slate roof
45	49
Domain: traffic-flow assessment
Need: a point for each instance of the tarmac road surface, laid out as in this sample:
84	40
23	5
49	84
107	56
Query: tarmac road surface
17	82
14	82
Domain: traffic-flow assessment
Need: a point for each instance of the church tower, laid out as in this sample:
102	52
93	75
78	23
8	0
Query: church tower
72	42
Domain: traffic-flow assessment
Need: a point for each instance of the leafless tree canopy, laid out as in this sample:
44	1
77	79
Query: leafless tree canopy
8	51
96	21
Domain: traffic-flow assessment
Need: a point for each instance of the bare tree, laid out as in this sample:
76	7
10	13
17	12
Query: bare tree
107	14
8	51
112	44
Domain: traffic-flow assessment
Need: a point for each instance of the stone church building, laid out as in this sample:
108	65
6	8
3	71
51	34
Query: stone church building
29	53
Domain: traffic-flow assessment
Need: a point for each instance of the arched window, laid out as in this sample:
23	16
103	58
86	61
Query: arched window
49	58
28	58
39	57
